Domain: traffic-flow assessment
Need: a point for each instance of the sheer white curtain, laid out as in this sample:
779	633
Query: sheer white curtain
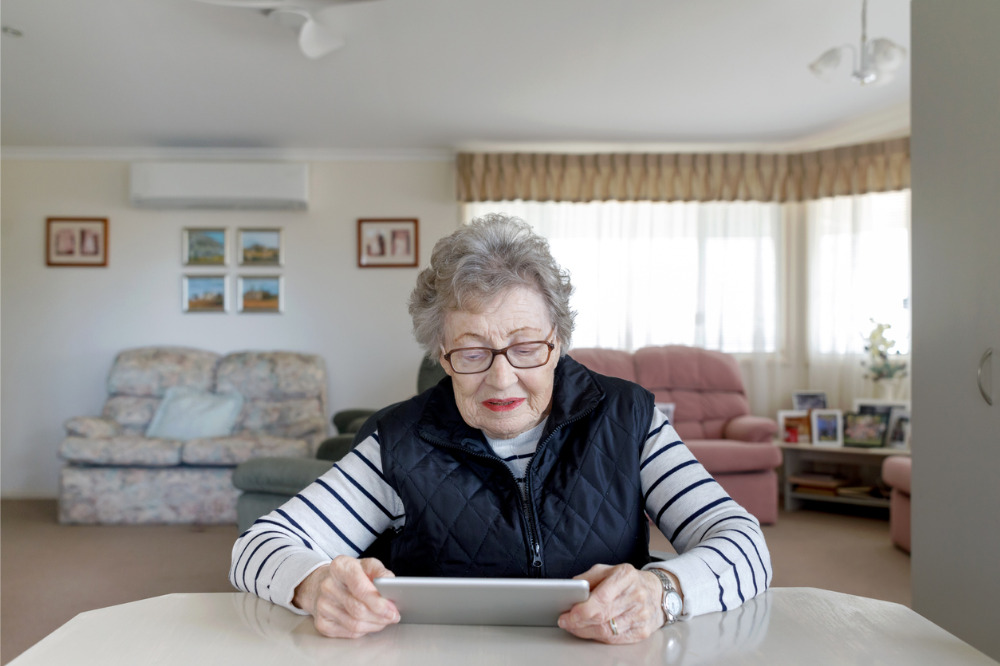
858	251
647	273
790	289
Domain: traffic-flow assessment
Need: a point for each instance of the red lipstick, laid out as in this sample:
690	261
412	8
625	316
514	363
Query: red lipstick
497	405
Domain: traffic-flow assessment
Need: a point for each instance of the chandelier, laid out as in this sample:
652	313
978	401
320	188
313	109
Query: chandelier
874	61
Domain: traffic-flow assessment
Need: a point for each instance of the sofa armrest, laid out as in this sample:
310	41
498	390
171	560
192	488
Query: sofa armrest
92	427
336	447
280	476
749	428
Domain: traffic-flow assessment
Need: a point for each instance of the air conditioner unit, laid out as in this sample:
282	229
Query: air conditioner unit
220	185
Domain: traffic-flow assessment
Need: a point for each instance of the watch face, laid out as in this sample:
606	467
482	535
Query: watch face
674	603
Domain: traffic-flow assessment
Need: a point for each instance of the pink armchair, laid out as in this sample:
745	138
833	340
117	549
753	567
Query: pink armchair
712	415
896	474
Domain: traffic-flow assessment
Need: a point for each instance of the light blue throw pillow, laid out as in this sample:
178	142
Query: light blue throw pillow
186	413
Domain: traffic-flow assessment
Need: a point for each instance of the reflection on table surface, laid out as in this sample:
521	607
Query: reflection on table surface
783	626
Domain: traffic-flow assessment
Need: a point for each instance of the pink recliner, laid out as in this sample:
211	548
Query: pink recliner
712	415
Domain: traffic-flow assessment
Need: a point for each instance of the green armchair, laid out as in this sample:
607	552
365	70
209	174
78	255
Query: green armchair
267	483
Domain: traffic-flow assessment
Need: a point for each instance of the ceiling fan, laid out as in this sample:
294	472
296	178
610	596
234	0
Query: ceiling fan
304	16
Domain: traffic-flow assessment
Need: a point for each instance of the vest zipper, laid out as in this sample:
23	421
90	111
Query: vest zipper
524	502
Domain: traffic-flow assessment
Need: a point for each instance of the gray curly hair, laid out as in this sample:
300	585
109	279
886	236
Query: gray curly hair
471	266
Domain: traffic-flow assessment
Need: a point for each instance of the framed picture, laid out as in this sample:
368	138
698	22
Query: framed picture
259	247
204	247
260	293
388	243
808	400
794	426
76	241
827	427
668	409
865	429
875	406
204	293
898	431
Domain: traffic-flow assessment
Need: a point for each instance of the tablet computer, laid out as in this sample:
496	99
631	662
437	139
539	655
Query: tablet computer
498	601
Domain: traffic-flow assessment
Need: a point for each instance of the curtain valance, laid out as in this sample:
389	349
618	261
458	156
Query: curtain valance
873	167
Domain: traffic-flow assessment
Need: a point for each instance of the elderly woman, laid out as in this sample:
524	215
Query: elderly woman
520	463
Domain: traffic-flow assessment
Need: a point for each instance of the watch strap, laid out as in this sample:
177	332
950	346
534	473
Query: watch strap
668	589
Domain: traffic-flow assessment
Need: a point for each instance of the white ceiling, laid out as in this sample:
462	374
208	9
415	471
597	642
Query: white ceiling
424	77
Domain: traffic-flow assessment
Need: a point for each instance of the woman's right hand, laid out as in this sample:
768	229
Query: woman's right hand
343	600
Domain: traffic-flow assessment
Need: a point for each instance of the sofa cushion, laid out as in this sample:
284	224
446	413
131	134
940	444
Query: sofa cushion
691	368
133	413
726	456
296	418
233	450
187	413
122	450
610	362
272	375
150	371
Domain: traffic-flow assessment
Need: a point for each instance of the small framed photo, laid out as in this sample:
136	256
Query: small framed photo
898	432
865	429
875	406
76	241
204	247
808	400
794	426
388	243
827	427
668	409
259	247
204	293
260	293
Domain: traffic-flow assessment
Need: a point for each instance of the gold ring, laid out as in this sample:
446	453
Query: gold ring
614	627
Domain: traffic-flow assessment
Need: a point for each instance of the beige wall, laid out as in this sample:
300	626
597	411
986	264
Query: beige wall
61	327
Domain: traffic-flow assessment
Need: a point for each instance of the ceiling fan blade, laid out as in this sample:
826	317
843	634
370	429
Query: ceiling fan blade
316	41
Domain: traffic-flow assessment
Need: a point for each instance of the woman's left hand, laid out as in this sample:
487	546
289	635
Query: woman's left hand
622	594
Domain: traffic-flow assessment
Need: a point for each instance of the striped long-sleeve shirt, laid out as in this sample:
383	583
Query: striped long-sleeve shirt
722	561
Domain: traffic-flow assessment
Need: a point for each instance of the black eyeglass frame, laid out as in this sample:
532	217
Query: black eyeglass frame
498	352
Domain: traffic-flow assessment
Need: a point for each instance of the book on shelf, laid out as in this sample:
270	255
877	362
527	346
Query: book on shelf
813	490
824	481
855	491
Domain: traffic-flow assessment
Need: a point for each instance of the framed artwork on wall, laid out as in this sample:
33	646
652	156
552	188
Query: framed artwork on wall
76	241
260	293
204	293
259	247
388	243
204	247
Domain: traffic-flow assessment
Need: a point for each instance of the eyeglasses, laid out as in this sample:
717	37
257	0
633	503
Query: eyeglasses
523	355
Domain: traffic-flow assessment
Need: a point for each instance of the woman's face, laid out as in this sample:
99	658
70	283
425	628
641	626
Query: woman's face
503	401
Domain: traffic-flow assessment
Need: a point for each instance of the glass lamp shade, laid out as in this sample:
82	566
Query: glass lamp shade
885	55
316	41
824	66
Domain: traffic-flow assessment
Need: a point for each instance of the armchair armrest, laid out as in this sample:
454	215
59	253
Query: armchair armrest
749	428
92	427
349	420
279	476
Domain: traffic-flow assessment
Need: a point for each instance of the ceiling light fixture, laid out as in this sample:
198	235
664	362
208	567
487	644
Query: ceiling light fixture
875	61
303	16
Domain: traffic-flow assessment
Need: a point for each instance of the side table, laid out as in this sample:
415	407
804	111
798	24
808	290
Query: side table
861	465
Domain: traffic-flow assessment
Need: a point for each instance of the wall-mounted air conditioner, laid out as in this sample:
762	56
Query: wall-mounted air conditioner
220	185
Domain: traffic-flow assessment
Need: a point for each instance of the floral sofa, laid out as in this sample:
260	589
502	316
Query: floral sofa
176	423
712	415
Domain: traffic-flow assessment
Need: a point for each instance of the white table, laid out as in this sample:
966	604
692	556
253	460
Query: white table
783	626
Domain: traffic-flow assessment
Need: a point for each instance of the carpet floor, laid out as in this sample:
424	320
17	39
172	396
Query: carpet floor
51	572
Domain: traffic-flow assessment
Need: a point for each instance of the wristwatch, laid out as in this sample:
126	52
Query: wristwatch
672	603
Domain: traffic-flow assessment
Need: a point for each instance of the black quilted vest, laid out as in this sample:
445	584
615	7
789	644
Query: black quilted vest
464	512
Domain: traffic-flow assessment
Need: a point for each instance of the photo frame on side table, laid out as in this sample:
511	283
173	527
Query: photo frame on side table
204	293
260	293
794	426
865	430
897	436
76	241
827	427
388	243
808	400
205	246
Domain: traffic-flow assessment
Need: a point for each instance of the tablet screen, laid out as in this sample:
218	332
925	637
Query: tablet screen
498	601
